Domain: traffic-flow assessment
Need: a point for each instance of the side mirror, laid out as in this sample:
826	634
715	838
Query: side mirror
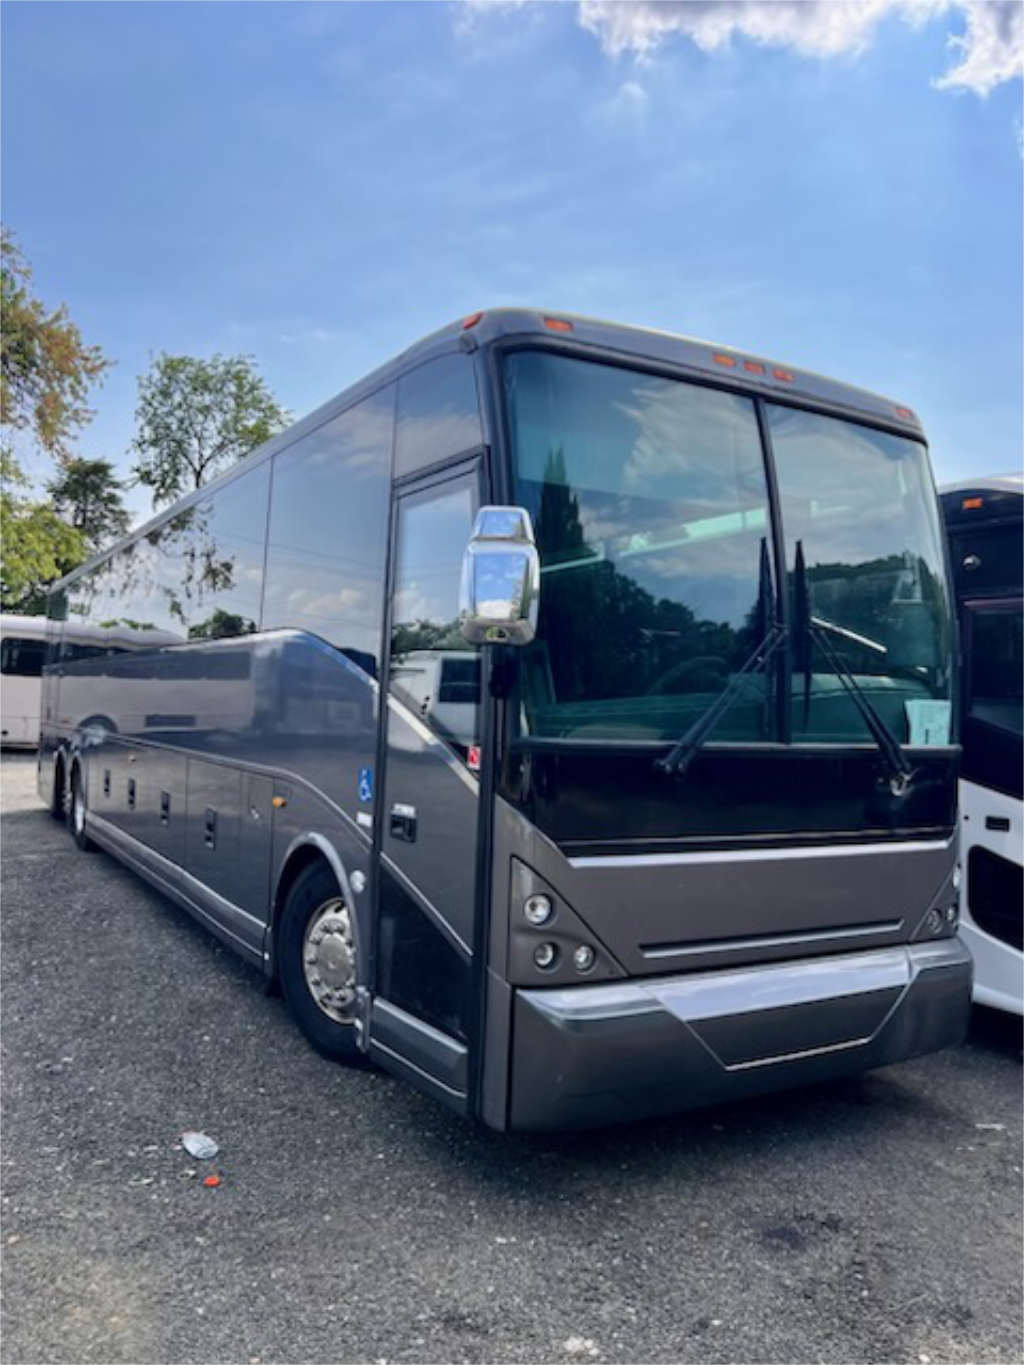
500	579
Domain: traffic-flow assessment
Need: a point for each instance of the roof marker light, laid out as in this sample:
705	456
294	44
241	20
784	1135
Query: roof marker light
753	367
720	359
971	504
471	321
557	325
904	412
784	375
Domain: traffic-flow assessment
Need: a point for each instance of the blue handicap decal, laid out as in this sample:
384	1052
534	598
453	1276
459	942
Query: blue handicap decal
366	784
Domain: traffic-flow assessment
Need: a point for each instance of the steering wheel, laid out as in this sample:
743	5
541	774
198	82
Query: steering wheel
669	681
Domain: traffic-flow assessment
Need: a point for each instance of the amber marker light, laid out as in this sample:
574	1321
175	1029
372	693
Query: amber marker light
753	367
971	504
784	375
557	325
471	321
721	359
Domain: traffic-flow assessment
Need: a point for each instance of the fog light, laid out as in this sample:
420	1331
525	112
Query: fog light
538	910
933	921
583	958
544	955
956	877
952	913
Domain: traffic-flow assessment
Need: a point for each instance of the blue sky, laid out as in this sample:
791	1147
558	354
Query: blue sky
838	187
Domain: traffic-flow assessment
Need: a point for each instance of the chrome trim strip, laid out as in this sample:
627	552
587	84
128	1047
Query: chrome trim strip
793	939
756	855
800	1056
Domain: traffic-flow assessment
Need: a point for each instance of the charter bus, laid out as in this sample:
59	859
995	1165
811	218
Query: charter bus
683	827
984	522
22	655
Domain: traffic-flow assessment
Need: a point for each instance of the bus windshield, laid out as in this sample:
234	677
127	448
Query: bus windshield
650	508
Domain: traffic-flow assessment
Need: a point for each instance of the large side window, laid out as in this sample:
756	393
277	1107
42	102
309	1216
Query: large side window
22	658
650	509
438	413
995	666
329	528
220	560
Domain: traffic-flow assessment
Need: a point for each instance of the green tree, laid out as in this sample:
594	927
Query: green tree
195	417
46	370
87	495
37	545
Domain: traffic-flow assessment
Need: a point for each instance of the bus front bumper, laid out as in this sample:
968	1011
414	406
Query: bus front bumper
590	1055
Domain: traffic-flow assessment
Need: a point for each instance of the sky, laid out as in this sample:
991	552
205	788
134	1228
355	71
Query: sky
833	185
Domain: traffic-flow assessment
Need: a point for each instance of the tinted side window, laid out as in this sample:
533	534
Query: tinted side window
995	667
438	413
329	530
222	560
24	658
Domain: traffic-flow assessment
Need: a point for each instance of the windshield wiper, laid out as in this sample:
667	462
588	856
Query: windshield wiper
813	629
689	746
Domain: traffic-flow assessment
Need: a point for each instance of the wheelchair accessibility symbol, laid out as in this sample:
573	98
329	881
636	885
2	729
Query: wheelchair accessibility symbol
366	784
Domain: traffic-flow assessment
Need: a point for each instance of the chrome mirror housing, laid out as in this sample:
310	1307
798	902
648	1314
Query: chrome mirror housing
500	579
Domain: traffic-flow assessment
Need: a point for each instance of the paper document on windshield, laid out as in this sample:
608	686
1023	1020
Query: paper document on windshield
929	721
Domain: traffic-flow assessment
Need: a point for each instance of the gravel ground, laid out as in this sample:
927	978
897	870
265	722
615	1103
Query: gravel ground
874	1220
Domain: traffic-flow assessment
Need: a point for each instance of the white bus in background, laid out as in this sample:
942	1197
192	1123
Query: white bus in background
984	521
22	656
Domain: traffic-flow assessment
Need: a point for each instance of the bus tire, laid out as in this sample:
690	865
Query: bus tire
76	808
58	796
318	963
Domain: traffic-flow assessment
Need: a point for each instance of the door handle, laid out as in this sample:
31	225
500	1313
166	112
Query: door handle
1000	823
402	822
210	828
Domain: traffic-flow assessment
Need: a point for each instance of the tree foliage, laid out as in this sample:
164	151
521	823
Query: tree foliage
196	417
37	545
87	494
46	370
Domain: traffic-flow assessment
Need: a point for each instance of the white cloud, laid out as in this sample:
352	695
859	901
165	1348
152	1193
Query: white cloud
990	48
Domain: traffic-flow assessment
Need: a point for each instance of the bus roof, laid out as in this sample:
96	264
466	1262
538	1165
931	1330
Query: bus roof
30	627
609	340
993	497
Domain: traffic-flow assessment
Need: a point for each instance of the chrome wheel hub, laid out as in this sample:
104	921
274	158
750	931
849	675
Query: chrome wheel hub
329	960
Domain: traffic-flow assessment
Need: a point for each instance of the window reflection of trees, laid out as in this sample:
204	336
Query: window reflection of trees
196	576
605	635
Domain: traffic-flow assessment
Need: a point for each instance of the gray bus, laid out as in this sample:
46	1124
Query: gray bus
672	817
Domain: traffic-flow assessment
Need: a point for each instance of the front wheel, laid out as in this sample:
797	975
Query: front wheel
318	962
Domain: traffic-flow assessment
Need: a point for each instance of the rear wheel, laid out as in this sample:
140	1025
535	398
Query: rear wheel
318	963
76	811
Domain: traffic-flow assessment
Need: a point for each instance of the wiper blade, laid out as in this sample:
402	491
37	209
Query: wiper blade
900	771
844	633
686	750
815	629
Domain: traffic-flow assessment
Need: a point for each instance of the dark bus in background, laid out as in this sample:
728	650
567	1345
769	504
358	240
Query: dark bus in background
563	716
984	521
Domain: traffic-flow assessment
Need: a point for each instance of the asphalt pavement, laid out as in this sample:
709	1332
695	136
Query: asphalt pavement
877	1219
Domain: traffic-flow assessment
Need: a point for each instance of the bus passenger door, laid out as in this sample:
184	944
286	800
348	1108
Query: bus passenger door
429	806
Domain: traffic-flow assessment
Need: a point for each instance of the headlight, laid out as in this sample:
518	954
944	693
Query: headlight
538	910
